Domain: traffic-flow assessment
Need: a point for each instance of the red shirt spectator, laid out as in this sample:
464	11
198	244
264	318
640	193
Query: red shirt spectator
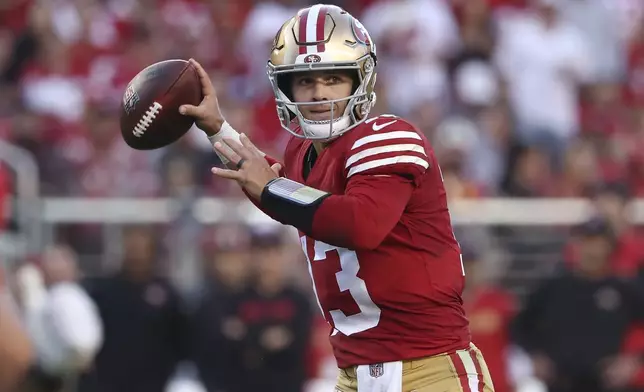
14	14
490	311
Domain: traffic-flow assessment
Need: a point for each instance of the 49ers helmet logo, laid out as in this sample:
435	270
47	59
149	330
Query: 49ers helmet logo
312	58
360	32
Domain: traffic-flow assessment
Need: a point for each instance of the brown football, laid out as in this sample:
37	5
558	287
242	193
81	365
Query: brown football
150	117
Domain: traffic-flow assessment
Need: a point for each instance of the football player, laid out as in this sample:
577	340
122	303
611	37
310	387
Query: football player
367	197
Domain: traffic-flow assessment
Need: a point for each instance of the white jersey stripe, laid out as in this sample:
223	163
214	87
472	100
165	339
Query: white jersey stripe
385	136
386	162
384	149
312	28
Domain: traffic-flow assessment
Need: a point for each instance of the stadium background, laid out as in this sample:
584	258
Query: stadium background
528	123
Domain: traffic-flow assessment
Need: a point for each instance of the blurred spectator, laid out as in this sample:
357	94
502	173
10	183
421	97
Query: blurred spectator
16	353
279	319
599	23
635	82
573	324
544	59
143	322
63	321
473	140
529	173
611	202
185	170
4	194
580	171
476	28
627	258
261	24
490	310
252	337
216	327
413	76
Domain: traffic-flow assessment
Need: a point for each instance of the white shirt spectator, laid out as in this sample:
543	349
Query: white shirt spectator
600	25
544	67
67	330
630	14
420	35
261	26
63	322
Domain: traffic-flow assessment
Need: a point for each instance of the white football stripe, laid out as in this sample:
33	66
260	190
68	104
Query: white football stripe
312	28
385	136
386	162
383	149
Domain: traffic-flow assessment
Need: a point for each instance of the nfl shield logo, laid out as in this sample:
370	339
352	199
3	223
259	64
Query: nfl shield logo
376	370
130	99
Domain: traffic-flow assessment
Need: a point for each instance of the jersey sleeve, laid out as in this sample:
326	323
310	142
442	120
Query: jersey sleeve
364	216
271	161
388	146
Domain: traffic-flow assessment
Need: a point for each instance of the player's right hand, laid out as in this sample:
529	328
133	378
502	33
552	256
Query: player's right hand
207	115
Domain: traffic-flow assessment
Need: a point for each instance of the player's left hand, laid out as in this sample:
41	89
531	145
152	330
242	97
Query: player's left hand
253	171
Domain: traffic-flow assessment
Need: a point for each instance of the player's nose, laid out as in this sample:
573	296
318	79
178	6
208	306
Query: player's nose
319	92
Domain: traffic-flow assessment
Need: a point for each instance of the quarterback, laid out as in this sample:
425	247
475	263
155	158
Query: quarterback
367	197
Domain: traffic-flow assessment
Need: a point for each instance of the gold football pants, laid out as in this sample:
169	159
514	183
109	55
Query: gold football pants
460	371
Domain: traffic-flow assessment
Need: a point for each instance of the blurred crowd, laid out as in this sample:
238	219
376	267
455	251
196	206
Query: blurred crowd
520	98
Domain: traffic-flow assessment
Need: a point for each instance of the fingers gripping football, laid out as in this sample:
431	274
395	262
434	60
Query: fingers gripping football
207	114
253	172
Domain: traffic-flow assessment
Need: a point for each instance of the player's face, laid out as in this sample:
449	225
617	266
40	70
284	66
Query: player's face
138	252
612	207
230	268
594	254
271	263
319	87
58	265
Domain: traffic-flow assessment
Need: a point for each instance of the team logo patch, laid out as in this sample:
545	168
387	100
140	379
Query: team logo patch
360	32
130	99
312	58
376	370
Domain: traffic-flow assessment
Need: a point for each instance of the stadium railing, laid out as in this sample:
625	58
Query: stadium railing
530	233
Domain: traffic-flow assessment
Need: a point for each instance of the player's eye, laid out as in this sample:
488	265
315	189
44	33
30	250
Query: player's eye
304	81
333	79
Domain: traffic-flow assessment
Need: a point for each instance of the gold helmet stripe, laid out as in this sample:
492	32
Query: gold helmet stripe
311	32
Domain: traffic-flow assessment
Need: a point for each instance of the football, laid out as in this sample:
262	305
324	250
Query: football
150	117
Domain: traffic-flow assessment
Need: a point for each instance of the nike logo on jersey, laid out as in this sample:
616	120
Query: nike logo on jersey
378	127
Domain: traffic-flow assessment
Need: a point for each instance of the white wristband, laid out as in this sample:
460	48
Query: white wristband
226	132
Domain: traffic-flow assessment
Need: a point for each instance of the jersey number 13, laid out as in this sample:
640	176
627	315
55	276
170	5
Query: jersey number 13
348	280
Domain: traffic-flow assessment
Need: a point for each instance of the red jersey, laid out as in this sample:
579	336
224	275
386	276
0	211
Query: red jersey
389	287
